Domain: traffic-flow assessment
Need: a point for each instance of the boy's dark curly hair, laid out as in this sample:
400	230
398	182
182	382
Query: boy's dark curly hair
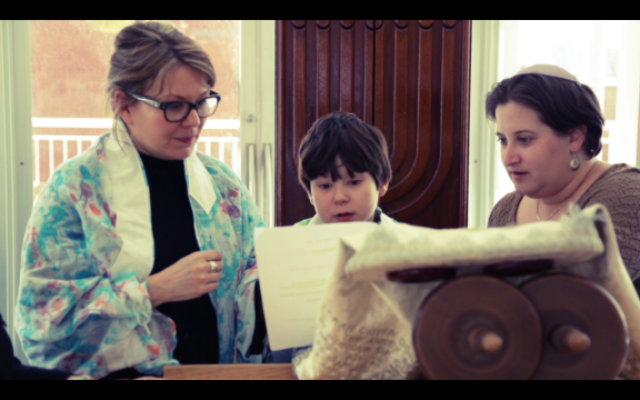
361	148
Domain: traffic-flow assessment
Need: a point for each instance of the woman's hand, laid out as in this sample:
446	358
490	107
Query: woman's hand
189	278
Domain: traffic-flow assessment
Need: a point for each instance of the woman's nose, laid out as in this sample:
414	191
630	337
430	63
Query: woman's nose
192	118
510	155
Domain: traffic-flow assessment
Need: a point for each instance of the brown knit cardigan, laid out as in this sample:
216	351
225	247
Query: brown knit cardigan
618	189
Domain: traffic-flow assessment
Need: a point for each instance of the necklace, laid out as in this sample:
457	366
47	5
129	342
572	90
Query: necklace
564	202
554	213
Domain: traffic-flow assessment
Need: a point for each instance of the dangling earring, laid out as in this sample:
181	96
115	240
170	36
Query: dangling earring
575	163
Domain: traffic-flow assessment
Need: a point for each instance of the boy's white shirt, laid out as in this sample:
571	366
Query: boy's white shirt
384	220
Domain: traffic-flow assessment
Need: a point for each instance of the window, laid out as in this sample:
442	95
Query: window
70	62
602	55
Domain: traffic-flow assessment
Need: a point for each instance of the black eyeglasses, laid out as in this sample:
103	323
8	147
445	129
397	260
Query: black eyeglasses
176	111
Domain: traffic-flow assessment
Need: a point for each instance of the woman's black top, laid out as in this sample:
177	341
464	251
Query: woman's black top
174	237
12	369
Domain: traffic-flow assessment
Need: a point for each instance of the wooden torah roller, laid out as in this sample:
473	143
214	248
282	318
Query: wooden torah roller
517	268
505	269
477	327
585	332
415	275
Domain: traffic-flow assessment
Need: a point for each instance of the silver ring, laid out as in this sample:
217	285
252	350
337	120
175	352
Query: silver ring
214	266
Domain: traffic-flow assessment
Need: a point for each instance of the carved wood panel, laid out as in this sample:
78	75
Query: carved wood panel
410	79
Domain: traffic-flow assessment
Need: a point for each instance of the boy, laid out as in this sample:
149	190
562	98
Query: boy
344	168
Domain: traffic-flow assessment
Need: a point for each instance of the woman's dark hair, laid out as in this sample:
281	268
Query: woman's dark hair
361	147
562	104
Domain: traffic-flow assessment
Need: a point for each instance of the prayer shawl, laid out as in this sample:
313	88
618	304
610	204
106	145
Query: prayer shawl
84	304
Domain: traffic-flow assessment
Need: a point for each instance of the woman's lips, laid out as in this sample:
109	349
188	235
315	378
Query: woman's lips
186	140
518	175
343	217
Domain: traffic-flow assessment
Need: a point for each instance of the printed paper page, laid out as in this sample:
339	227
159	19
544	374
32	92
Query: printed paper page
295	264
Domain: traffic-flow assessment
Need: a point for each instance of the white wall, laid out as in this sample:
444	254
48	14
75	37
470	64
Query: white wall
258	113
15	160
484	73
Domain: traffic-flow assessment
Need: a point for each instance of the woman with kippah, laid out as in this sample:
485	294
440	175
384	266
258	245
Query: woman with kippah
139	252
549	127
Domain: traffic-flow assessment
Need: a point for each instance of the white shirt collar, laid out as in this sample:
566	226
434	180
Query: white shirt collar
384	220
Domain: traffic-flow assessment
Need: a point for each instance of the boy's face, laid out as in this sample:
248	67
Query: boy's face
347	199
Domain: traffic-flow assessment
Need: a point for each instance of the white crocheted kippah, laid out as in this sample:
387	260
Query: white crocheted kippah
549	70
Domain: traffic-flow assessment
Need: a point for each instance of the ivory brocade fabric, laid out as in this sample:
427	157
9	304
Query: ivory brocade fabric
365	323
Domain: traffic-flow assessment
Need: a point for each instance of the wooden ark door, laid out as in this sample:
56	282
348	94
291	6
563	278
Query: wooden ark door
408	78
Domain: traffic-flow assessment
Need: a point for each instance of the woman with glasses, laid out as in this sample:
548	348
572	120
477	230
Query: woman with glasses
139	252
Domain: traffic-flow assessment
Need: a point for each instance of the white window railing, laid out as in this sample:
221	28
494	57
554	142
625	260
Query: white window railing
88	140
106	123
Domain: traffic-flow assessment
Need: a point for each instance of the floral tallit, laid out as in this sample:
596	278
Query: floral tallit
84	304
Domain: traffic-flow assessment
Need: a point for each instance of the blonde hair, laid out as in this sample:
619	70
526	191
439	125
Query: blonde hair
145	51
